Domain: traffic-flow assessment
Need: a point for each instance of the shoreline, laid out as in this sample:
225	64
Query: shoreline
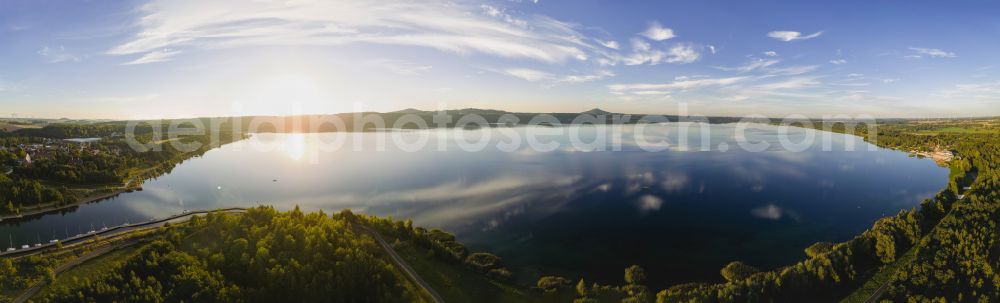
48	210
128	186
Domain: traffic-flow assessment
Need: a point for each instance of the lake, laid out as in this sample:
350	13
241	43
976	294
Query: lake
681	212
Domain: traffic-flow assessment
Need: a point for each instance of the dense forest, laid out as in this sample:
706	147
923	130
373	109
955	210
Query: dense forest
268	256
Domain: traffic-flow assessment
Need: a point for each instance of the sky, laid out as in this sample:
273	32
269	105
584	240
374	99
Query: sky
188	58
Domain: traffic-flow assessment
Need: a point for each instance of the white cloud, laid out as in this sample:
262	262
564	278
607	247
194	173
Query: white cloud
932	52
529	74
587	78
685	78
58	54
771	53
640	46
450	27
609	44
986	91
534	75
755	64
155	56
854	84
683	85
607	61
643	53
400	67
502	14
657	32
792	83
791	36
650	92
682	53
838	61
736	98
712	49
792	70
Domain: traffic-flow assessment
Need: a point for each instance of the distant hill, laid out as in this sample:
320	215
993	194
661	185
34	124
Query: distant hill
409	111
477	111
597	111
325	122
464	111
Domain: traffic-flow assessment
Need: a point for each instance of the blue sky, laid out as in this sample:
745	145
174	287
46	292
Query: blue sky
152	59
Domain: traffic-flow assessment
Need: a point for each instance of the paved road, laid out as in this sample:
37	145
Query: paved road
885	286
878	293
402	264
115	231
131	227
31	291
28	293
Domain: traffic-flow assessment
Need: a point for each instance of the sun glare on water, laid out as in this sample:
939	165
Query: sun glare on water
295	146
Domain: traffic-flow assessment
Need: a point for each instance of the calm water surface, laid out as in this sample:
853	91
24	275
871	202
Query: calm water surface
682	213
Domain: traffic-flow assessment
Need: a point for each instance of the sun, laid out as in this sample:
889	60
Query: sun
288	94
